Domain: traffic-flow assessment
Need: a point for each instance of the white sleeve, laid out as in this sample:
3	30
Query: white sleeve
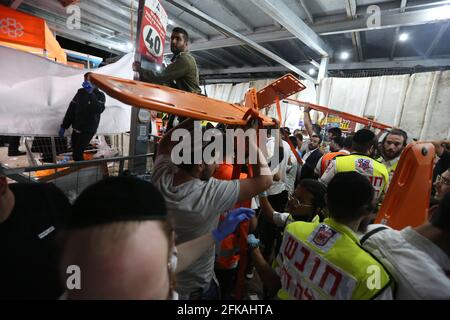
318	166
329	173
280	218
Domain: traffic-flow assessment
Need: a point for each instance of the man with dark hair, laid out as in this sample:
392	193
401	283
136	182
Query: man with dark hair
337	148
31	214
418	258
120	238
195	201
304	204
83	115
311	158
360	161
391	149
324	260
182	73
333	133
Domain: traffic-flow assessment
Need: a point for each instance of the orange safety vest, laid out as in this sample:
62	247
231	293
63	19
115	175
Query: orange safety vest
326	159
229	252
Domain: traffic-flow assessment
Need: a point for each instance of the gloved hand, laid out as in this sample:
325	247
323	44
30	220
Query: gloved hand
231	222
61	132
87	85
252	241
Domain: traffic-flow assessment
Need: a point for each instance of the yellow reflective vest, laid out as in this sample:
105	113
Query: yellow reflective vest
326	261
375	171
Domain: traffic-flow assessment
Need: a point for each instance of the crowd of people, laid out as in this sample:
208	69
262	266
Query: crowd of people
307	218
308	237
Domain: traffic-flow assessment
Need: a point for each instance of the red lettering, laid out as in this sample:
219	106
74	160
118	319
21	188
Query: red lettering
291	247
337	279
286	278
298	291
301	266
376	181
309	295
314	269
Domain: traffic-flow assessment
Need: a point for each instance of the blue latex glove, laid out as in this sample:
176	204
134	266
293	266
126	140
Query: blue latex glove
231	222
61	132
252	241
87	85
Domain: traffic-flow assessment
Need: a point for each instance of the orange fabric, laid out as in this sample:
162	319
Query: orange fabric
407	199
21	28
28	33
225	172
54	50
326	160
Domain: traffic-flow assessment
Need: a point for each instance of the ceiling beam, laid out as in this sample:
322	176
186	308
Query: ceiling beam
189	28
234	58
351	7
235	13
388	20
397	29
305	9
232	33
15	4
368	64
89	39
61	22
98	20
284	16
437	39
212	57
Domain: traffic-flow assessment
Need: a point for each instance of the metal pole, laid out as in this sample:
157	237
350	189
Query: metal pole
139	130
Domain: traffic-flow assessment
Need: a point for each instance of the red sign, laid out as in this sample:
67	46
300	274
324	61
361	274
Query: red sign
153	31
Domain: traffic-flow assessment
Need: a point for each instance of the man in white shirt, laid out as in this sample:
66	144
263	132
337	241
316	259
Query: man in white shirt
418	258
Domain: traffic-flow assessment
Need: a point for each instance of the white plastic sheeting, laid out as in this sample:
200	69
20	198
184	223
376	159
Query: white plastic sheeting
291	115
419	104
35	93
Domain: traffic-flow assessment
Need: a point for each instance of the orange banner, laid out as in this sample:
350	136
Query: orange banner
21	28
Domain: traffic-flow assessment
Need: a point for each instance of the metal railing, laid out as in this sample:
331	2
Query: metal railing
74	177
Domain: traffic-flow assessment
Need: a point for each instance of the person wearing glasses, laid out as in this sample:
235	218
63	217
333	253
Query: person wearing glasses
120	239
305	204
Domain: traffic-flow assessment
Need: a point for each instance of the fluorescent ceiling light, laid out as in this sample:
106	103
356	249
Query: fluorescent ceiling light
403	37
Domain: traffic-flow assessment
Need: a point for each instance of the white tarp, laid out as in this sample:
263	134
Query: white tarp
290	114
35	93
419	104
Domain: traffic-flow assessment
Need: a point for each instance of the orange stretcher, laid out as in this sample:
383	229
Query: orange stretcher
343	115
181	103
407	199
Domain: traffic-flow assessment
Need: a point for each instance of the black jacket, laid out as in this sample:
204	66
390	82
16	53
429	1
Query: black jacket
310	165
84	111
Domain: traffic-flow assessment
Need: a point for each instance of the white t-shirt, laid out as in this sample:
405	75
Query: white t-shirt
278	186
415	262
194	207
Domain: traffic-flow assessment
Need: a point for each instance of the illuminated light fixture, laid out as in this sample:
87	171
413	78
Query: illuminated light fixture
344	55
403	37
441	13
312	71
158	68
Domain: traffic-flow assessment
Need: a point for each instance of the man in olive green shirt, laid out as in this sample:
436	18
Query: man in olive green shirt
182	73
